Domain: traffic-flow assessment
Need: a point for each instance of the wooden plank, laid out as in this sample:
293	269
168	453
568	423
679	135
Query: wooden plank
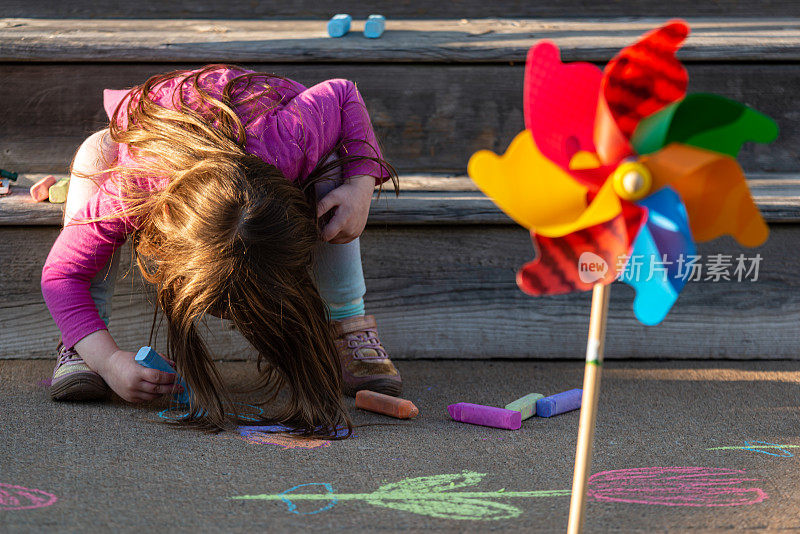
431	122
426	200
448	40
455	297
392	9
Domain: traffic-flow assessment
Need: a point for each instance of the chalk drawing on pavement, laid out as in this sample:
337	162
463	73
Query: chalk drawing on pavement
21	498
762	447
441	495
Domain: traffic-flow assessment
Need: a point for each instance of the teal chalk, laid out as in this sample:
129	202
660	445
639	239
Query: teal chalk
339	25
374	26
526	405
147	357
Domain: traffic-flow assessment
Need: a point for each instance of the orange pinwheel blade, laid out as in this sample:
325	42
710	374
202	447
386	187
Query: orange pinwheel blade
537	193
714	190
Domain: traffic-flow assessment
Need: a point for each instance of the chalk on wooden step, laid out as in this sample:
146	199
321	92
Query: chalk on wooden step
58	191
5	186
559	403
8	174
485	415
40	191
526	405
385	404
147	357
374	26
339	25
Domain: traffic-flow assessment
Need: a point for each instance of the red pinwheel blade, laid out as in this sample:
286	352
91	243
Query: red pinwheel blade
560	101
645	76
575	261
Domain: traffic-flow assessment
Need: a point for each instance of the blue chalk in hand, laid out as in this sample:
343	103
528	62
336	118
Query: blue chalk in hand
147	357
374	26
339	25
559	403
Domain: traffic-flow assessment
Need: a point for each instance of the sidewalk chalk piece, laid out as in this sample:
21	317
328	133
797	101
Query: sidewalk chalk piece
559	403
386	405
526	405
147	357
485	415
339	25
374	26
58	191
40	191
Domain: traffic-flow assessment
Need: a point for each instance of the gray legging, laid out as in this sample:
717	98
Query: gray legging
337	270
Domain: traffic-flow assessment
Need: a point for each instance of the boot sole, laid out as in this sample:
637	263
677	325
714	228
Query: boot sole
86	387
381	385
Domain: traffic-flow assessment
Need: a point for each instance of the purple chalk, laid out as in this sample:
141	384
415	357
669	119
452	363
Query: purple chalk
559	403
485	415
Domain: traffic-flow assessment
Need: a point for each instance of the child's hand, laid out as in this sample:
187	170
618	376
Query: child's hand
136	383
351	201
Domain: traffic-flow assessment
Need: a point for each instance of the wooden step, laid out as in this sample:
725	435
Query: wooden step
440	264
433	41
314	9
429	117
424	200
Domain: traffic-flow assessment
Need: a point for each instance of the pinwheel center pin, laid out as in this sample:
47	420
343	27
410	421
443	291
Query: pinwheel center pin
632	180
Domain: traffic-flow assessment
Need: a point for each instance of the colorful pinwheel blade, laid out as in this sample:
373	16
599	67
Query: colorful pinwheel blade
560	103
536	193
714	190
577	261
657	265
643	78
707	121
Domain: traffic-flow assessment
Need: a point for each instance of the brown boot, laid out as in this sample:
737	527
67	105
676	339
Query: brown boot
365	364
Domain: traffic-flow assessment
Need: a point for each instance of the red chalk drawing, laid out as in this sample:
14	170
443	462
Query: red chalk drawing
676	486
21	498
442	495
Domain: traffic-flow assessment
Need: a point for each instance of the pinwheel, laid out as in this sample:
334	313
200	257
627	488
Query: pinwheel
616	165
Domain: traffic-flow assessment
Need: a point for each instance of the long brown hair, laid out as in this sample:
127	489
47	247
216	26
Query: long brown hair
226	233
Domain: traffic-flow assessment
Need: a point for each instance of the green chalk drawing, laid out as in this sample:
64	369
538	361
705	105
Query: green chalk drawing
441	496
431	495
758	446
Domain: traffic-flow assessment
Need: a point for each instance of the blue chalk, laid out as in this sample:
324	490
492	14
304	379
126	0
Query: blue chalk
559	403
147	357
374	26
339	25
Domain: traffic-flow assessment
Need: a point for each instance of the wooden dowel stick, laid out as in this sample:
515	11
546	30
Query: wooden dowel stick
591	390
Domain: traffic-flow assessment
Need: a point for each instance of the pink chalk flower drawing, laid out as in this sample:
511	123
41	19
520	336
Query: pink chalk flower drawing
442	495
21	498
675	486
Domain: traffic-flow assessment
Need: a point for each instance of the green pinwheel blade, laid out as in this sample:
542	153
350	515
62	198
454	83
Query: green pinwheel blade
707	121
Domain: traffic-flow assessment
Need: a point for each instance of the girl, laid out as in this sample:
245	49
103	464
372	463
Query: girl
216	175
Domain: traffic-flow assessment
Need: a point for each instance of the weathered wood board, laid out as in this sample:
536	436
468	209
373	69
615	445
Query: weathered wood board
424	200
455	297
453	40
310	9
430	118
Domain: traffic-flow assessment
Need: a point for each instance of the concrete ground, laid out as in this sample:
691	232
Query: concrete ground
679	446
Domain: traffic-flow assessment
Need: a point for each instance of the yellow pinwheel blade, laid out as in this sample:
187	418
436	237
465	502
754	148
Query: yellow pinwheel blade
714	190
537	193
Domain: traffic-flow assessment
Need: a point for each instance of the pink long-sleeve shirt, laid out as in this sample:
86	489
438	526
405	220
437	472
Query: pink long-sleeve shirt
291	128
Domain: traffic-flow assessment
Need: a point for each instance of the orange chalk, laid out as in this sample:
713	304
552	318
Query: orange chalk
40	191
385	404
